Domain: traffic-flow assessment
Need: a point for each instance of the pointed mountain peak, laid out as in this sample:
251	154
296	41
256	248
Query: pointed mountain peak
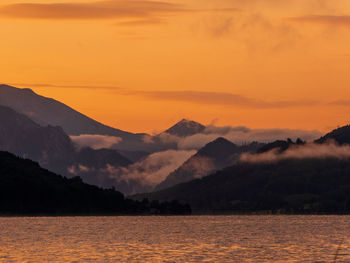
219	142
186	128
222	140
218	148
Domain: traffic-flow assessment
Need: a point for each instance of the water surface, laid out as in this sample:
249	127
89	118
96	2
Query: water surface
176	239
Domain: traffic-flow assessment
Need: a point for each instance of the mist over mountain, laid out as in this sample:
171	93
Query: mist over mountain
28	189
49	146
141	163
214	156
53	149
144	175
282	176
287	186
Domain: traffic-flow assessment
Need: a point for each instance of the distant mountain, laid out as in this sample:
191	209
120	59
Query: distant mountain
134	156
340	135
185	128
288	186
49	146
27	189
47	111
214	156
98	159
54	150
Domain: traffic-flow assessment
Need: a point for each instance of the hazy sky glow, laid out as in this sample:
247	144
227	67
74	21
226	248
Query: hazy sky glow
141	65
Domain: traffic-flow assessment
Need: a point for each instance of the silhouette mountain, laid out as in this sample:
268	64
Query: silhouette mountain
186	128
214	156
166	141
99	158
279	145
340	135
49	146
53	149
288	186
28	189
47	111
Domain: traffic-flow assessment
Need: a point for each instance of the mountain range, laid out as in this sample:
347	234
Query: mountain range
53	149
288	186
47	111
313	178
212	157
41	129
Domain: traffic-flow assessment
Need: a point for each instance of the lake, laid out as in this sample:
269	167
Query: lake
175	239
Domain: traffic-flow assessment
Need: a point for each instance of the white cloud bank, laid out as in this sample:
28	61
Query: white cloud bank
239	135
307	151
95	141
152	170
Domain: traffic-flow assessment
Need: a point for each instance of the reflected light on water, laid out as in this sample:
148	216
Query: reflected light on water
176	239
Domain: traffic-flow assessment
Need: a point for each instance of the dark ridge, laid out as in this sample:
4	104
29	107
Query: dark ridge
289	186
28	189
214	156
340	135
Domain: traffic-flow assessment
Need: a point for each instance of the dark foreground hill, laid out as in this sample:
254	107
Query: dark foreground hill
288	186
28	189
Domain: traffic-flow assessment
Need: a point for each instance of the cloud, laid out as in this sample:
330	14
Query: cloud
308	151
110	9
78	169
219	98
152	170
323	19
46	85
340	103
241	135
95	141
143	22
197	97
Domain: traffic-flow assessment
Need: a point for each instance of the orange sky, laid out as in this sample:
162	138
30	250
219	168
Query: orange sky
141	65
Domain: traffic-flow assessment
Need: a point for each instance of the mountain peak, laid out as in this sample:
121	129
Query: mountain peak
219	147
186	128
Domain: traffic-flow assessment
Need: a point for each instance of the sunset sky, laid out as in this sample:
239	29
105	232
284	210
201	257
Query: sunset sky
143	65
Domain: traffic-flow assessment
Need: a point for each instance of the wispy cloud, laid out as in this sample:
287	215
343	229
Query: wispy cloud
221	98
340	103
150	171
46	85
199	97
95	141
323	19
110	9
308	151
241	135
143	22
